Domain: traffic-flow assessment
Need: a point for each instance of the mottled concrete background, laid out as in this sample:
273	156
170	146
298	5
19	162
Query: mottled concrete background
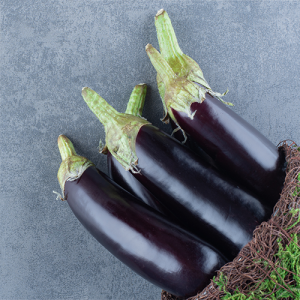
50	50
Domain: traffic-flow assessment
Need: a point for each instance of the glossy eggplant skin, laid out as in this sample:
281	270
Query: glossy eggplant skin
190	143
210	206
140	237
128	182
236	147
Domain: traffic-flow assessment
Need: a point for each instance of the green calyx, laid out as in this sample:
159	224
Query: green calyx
121	129
178	91
73	165
179	78
181	64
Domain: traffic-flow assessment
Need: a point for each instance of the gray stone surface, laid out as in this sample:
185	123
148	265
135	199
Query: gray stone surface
49	50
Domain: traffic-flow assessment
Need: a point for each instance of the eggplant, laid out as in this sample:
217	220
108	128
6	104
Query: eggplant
235	146
136	234
115	170
190	143
128	182
206	203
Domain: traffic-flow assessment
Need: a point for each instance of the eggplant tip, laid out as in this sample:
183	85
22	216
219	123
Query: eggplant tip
160	12
62	139
148	46
84	91
61	136
142	84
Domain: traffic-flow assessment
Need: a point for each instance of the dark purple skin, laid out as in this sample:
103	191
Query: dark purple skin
236	147
178	135
128	182
209	205
153	247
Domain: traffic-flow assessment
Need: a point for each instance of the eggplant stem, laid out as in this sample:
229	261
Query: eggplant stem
65	147
160	64
136	101
104	112
168	43
134	107
121	129
182	65
167	39
73	165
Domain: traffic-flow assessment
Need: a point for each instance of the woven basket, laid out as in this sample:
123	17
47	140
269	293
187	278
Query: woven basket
258	263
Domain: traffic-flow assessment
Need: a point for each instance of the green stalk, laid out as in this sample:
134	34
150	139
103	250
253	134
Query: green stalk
187	72
120	129
162	67
181	64
136	101
73	165
66	148
104	112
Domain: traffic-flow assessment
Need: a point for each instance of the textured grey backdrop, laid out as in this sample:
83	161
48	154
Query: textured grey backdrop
50	50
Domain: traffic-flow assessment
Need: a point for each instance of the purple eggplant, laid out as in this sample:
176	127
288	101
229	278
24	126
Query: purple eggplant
115	170
188	142
235	146
207	204
128	182
140	237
